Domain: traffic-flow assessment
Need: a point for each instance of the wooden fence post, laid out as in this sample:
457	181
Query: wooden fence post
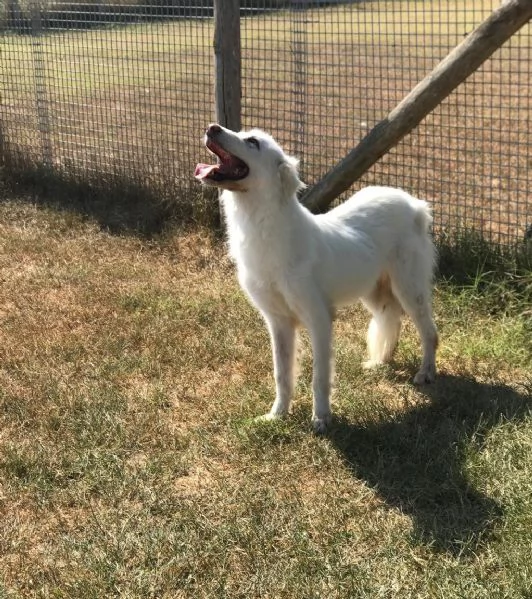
41	94
477	47
227	91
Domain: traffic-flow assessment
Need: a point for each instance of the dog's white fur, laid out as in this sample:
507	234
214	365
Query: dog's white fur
297	267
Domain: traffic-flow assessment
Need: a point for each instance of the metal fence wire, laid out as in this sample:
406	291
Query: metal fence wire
105	87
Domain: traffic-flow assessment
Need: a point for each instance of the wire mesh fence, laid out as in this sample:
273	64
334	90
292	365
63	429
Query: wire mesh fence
101	89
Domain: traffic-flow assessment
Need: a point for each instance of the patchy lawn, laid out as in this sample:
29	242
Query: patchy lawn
131	466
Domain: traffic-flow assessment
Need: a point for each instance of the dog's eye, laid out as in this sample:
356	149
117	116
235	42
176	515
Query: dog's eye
253	141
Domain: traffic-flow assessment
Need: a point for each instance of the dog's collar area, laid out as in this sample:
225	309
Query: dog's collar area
229	166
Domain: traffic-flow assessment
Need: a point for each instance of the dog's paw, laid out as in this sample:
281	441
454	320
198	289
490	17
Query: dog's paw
370	364
320	425
425	376
269	417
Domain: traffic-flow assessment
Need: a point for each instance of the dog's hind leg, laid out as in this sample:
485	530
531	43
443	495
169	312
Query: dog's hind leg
385	326
283	336
414	293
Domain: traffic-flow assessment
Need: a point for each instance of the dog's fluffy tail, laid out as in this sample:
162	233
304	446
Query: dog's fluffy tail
423	217
422	226
383	333
385	326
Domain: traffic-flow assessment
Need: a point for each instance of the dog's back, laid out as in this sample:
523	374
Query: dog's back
361	237
377	207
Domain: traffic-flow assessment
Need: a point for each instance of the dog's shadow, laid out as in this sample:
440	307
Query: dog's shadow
416	461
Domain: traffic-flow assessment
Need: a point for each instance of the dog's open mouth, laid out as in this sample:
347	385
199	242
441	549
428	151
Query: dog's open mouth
229	167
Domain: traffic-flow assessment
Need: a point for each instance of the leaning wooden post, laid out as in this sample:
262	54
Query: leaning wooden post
227	90
455	68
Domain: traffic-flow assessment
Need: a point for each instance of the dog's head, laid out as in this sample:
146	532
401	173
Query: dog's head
249	160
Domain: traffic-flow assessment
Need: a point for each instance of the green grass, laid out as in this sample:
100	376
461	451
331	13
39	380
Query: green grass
131	465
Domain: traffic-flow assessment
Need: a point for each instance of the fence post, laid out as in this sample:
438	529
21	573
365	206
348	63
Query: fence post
300	61
227	88
41	96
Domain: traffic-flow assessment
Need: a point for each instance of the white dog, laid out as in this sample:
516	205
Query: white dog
297	267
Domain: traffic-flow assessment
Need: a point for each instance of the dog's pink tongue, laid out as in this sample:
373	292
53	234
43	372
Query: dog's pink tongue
204	170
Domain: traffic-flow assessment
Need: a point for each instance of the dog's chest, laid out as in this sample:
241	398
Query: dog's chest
266	286
259	261
263	270
258	249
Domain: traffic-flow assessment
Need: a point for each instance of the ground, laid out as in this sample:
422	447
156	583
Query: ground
131	370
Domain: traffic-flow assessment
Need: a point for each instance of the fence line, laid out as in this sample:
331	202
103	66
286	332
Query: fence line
464	60
103	89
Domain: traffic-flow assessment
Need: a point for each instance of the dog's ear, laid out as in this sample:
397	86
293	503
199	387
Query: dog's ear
289	176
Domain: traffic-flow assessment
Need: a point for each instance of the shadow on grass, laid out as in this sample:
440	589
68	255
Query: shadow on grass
119	202
415	460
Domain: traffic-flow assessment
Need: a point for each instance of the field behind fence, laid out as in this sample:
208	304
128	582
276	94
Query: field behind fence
123	93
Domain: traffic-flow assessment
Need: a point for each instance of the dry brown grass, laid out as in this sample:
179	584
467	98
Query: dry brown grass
130	464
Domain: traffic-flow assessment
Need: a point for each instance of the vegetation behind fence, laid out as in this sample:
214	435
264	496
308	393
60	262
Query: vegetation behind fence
111	95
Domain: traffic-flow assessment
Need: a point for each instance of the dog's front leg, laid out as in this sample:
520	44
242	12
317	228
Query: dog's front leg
283	336
317	318
321	339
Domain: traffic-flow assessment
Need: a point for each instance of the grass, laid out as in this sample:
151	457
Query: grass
131	370
117	201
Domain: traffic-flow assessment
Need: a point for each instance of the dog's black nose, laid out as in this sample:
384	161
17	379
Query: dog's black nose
213	129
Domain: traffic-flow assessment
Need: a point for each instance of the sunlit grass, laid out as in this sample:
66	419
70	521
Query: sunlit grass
101	55
131	464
